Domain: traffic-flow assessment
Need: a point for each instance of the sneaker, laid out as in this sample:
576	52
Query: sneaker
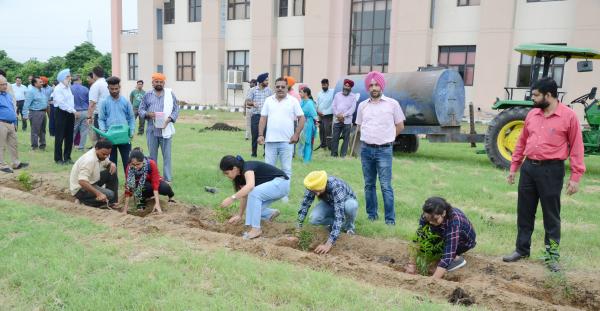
390	222
373	218
6	170
22	165
553	265
456	264
274	215
350	232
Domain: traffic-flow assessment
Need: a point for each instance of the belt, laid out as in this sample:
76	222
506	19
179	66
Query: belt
37	110
544	162
379	146
7	122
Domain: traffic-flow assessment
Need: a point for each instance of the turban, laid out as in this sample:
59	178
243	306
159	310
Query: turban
262	77
44	79
158	76
316	181
349	82
62	75
290	81
377	76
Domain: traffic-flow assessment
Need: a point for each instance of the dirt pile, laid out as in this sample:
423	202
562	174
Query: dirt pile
484	281
222	127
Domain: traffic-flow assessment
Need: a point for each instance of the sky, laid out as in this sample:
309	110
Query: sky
42	29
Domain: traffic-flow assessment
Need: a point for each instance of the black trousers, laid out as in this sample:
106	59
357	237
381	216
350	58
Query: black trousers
63	132
108	184
20	104
124	150
163	189
343	130
254	121
52	119
325	130
539	183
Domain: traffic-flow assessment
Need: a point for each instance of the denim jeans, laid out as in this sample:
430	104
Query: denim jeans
261	198
378	161
165	145
81	127
282	151
324	214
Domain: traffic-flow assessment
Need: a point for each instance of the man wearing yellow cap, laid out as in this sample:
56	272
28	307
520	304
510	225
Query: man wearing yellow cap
336	210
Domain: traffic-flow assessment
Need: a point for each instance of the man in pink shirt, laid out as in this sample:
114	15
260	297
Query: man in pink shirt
550	135
380	119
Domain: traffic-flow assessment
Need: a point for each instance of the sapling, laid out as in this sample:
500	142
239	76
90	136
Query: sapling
305	239
26	180
427	248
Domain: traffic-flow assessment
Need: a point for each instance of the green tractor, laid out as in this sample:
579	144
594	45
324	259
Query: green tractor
505	129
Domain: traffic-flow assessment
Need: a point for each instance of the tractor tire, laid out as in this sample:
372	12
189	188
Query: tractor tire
502	135
406	143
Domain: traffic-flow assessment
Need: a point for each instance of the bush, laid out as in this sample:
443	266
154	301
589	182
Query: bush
427	249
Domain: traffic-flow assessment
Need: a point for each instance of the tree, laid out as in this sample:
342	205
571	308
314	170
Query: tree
80	55
53	66
103	61
31	67
9	65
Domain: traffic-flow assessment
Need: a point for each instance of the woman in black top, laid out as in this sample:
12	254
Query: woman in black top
258	185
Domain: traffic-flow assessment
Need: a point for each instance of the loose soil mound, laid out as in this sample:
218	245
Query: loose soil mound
223	127
484	281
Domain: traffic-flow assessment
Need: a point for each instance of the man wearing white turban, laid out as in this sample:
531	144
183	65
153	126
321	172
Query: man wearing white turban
64	118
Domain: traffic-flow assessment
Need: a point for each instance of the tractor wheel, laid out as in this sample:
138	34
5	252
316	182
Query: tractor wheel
406	143
502	135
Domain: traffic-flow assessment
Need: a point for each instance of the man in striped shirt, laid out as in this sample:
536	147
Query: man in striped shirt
154	101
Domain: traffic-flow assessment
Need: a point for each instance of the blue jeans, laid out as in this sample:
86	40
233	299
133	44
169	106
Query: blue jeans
282	151
378	161
324	214
81	127
165	145
261	198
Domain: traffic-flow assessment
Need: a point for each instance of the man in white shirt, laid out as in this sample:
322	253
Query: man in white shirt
93	180
98	93
19	91
64	118
278	114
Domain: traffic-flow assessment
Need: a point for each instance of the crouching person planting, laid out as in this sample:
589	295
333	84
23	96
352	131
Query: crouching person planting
336	209
454	231
143	181
258	185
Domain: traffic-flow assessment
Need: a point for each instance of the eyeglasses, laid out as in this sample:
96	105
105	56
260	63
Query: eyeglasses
280	87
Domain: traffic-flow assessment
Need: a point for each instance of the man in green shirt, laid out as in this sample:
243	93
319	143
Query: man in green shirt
136	98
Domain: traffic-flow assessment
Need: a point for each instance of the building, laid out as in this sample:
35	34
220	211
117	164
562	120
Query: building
194	42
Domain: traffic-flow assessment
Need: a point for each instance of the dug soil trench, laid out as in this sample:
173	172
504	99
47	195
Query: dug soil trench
485	281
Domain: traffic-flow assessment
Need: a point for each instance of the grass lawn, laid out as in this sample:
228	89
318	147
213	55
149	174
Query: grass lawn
65	260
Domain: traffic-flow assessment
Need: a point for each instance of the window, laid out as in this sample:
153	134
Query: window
369	36
159	24
159	68
468	2
292	63
298	7
283	8
186	66
195	11
239	60
556	70
132	66
460	58
169	12
238	9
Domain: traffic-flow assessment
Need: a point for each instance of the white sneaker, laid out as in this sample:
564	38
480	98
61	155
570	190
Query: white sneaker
456	264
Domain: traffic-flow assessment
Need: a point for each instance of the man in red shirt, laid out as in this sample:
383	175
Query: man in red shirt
550	135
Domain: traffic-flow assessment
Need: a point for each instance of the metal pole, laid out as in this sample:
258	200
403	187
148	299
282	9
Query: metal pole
472	124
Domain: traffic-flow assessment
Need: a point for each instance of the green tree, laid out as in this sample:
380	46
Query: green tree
53	66
103	61
80	55
31	67
9	65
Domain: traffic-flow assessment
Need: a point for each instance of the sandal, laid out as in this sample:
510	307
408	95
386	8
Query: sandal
247	236
274	215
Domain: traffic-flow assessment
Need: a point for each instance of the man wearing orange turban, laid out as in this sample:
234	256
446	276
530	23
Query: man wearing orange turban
290	84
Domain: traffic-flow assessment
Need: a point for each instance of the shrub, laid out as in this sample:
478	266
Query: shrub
427	249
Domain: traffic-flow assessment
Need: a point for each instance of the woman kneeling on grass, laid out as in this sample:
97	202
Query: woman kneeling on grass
336	210
258	185
143	181
453	227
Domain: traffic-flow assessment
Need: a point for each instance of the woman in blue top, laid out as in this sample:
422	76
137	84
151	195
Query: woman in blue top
308	133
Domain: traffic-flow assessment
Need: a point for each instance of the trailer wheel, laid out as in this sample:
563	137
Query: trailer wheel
502	135
406	143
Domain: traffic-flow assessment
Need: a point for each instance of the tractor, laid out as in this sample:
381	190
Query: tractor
504	130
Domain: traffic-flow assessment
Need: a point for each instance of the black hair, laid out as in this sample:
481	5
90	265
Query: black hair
18	77
281	79
34	80
103	143
253	81
76	78
308	92
2	73
140	81
228	162
98	71
90	74
113	80
325	81
136	153
545	86
55	82
437	206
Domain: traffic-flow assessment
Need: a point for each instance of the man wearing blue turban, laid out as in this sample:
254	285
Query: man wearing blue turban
64	118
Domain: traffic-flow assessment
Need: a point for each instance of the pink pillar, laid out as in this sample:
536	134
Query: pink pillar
116	25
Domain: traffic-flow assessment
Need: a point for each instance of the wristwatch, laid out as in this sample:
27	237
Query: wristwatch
233	197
